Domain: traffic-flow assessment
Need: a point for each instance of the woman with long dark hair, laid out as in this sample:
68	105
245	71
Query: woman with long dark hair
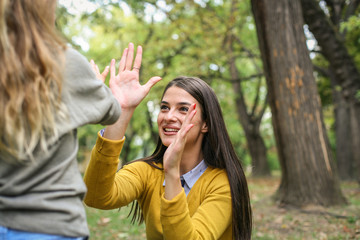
193	185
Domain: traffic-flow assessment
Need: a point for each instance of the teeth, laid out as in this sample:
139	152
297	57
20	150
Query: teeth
171	130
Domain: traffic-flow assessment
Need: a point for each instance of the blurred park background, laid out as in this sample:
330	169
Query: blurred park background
287	75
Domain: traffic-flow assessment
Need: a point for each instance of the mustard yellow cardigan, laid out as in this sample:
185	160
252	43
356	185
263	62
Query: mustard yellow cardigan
204	214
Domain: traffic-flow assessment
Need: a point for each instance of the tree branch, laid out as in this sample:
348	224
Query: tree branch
333	48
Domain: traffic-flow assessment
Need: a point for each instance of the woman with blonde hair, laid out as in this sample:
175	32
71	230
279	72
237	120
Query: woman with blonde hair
47	91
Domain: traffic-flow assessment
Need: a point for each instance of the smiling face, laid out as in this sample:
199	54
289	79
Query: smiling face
173	110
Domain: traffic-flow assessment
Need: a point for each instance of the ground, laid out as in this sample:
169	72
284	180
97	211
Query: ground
270	221
313	222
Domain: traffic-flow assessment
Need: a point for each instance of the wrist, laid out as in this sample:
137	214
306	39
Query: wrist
172	185
127	109
172	173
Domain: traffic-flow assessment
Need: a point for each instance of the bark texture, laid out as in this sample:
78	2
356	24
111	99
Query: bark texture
343	73
308	170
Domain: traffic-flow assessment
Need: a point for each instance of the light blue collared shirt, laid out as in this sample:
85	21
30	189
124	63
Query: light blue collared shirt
192	176
102	132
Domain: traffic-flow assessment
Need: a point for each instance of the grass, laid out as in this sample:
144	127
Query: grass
113	224
270	222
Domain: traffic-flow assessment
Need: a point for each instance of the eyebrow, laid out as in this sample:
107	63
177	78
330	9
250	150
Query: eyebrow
180	103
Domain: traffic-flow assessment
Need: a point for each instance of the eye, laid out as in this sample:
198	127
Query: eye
184	109
164	108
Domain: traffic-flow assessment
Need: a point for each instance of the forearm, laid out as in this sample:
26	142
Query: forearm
172	184
100	174
117	130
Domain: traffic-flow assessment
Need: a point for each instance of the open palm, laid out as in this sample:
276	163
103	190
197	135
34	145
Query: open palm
125	85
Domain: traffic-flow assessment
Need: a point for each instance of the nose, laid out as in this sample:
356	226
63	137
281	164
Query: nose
170	116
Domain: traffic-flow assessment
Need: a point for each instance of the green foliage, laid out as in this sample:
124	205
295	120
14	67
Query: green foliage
87	137
352	29
358	94
178	38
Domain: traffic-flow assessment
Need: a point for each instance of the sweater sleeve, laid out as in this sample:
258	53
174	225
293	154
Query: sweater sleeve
88	99
209	221
107	187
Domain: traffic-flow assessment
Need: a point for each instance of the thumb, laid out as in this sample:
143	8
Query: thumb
152	81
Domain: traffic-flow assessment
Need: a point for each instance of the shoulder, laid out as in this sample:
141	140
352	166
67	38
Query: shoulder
73	55
217	174
216	179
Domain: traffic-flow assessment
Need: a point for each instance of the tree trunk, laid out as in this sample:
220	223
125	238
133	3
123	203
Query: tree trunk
347	76
249	122
257	148
343	132
255	143
344	154
333	48
308	171
355	136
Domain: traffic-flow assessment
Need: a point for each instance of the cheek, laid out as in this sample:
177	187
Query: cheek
159	119
197	120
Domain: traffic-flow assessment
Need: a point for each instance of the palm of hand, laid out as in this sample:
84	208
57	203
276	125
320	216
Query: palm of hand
127	88
125	85
173	153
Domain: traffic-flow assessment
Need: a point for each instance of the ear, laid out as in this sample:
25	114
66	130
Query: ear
204	128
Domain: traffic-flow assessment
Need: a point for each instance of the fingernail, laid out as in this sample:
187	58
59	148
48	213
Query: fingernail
194	105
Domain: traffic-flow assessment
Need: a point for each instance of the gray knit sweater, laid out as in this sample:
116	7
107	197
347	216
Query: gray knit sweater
46	196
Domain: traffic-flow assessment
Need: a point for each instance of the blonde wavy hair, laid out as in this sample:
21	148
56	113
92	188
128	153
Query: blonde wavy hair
31	64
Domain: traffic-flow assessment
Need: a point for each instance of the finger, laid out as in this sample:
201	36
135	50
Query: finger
123	60
187	129
138	58
105	73
112	69
152	81
186	126
129	57
190	115
93	65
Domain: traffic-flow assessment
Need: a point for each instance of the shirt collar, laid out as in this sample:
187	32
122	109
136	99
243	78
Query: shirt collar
193	175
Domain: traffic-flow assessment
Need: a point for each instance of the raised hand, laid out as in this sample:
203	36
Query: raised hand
173	154
127	89
125	85
101	76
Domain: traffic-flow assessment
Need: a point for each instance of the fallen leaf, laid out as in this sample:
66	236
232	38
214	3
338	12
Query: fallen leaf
103	221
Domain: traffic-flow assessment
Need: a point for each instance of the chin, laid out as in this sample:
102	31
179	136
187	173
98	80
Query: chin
166	141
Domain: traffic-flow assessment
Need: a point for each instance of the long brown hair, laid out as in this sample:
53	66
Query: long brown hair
218	153
31	58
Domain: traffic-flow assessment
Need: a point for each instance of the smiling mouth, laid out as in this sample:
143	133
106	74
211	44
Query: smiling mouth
171	130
